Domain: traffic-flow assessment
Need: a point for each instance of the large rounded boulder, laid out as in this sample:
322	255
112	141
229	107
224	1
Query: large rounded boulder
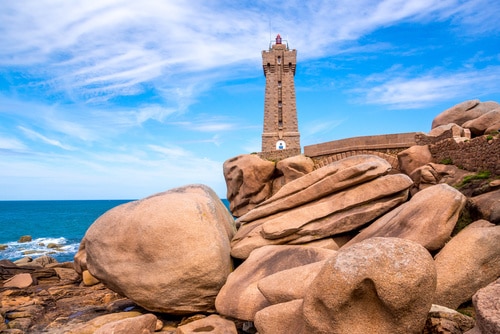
168	252
380	285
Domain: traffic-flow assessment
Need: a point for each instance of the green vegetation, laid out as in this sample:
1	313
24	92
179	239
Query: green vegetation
446	161
489	137
463	220
482	175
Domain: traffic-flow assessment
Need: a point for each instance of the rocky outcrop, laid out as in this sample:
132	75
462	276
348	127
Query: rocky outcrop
381	285
290	169
213	324
487	206
118	323
432	173
332	200
289	284
248	181
168	252
467	263
463	112
451	129
443	320
19	281
144	324
283	318
423	219
484	123
486	303
241	298
413	158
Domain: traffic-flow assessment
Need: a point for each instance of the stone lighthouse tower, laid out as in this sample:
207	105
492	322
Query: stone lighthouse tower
281	129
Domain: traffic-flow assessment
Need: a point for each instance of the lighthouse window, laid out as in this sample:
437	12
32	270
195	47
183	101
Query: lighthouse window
279	59
279	84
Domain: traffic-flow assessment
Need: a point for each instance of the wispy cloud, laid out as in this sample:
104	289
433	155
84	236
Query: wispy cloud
170	152
403	91
11	144
96	51
37	136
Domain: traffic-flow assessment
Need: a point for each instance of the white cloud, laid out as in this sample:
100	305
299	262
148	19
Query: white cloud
406	91
95	51
171	152
11	144
35	135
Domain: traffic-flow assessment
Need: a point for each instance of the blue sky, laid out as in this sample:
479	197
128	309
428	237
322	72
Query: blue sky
117	99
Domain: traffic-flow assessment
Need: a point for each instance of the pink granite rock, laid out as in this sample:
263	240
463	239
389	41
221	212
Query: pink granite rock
240	297
169	252
248	181
428	218
332	200
479	125
486	303
283	318
413	158
143	324
468	262
213	324
290	169
289	284
463	112
19	281
380	285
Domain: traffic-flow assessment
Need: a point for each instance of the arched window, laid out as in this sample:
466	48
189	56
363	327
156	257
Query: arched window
280	145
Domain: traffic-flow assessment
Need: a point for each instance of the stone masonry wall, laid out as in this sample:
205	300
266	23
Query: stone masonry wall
475	155
278	155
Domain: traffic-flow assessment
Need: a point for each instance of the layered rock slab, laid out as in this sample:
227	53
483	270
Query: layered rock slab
428	218
332	200
168	252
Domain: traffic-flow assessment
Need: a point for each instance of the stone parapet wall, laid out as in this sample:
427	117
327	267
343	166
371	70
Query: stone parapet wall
390	155
380	142
280	154
474	155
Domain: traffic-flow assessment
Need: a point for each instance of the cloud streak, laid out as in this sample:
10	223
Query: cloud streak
97	51
404	91
37	136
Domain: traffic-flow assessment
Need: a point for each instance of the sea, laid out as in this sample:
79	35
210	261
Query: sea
49	223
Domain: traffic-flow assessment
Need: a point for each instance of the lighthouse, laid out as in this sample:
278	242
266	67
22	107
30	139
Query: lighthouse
281	131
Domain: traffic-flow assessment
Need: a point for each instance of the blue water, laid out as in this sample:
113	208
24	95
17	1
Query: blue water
61	222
